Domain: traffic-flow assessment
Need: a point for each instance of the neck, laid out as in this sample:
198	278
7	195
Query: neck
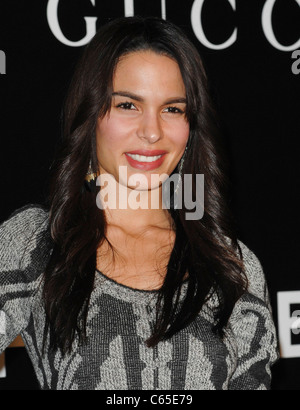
136	209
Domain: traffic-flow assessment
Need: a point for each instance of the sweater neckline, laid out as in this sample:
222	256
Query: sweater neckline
126	293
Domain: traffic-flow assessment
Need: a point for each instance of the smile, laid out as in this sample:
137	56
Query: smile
144	158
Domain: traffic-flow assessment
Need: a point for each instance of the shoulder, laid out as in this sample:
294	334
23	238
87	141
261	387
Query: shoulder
253	327
26	221
257	285
24	252
24	232
30	216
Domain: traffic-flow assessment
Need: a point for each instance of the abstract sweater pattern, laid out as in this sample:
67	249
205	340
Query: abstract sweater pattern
120	319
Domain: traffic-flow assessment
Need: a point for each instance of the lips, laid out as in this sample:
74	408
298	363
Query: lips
145	159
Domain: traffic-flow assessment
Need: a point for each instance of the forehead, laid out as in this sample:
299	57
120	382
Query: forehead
147	70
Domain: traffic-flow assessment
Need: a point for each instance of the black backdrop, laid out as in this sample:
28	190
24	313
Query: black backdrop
256	90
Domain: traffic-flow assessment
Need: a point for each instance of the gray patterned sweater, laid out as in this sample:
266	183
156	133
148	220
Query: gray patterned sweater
115	356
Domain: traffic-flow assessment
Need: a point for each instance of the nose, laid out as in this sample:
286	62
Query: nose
150	127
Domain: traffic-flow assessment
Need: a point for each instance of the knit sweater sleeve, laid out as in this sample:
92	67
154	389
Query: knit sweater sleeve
255	334
23	252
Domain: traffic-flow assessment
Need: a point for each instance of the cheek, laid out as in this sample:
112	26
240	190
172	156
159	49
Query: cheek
180	133
111	133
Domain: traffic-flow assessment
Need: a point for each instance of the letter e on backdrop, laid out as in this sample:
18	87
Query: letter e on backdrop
288	304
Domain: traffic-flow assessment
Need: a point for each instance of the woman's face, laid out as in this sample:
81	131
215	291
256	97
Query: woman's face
146	129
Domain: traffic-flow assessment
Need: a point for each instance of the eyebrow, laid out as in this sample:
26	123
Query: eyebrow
141	99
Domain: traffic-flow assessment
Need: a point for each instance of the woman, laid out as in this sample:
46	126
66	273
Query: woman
126	297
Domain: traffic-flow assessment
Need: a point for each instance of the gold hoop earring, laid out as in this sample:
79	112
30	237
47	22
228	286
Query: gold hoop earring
90	178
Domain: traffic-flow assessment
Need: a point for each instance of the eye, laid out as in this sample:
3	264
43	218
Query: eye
126	106
173	110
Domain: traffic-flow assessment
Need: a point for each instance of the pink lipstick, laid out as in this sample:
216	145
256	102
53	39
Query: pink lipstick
145	160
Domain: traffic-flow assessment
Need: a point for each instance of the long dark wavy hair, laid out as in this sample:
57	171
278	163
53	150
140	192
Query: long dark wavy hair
207	248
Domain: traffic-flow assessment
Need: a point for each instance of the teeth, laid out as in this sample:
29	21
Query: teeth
143	158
